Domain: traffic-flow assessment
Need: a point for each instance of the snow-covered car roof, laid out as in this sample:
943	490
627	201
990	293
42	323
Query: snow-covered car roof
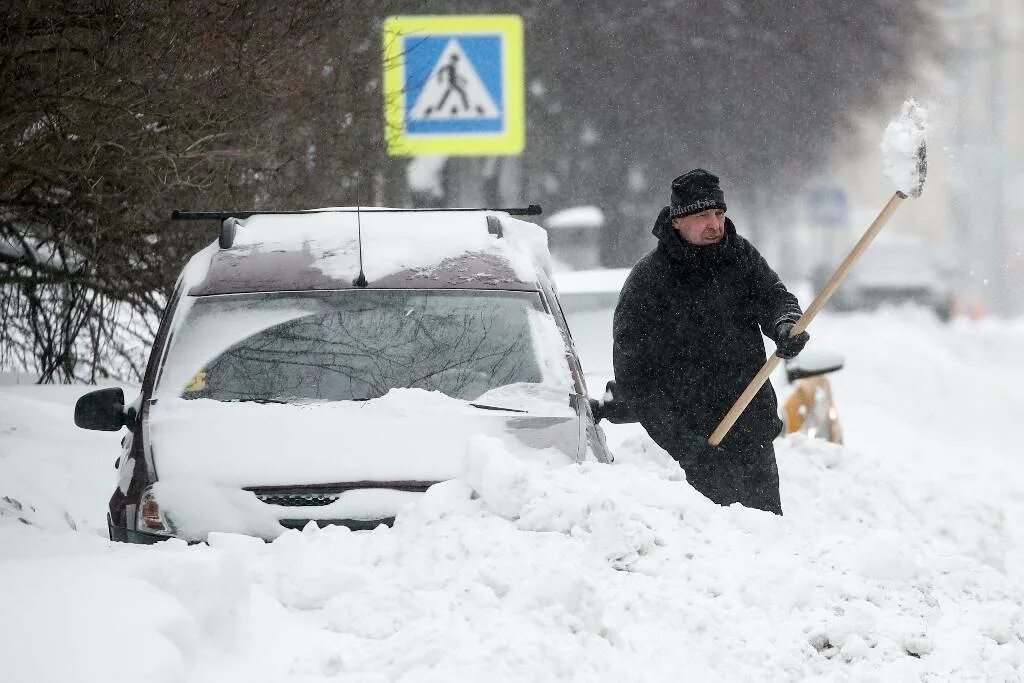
426	249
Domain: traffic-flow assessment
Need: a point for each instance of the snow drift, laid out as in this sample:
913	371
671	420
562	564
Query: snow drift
897	559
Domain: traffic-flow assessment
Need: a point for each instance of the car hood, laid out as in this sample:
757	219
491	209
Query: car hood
407	435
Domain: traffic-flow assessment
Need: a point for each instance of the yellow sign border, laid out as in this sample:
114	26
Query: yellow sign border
510	142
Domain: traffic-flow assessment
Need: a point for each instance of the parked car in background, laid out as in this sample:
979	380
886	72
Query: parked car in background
806	402
897	269
330	366
573	236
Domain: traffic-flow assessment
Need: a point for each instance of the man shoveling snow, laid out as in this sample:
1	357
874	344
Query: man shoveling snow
687	339
685	329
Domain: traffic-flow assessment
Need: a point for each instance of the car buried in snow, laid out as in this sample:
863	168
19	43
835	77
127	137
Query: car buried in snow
329	366
588	297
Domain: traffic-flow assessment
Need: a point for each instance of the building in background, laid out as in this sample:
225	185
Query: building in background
972	208
987	189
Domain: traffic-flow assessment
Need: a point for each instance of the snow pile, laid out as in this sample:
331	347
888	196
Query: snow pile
50	470
195	508
208	450
121	615
903	139
589	572
338	441
898	559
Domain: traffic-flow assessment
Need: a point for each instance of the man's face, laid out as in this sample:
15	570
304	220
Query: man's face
702	229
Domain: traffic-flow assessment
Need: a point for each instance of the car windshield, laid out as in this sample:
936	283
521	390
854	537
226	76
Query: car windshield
358	345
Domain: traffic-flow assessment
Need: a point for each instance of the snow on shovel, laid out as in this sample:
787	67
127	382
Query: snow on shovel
906	165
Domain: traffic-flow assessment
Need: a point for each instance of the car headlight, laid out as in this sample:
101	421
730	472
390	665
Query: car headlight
150	518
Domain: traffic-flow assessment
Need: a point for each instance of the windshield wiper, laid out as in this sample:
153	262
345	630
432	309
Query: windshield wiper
487	407
256	400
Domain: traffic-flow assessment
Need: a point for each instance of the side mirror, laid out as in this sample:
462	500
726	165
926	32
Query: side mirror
812	364
102	410
611	408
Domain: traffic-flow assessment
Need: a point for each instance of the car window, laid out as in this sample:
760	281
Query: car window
358	345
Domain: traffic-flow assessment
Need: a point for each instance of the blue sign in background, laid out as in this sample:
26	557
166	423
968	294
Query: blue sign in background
421	55
826	205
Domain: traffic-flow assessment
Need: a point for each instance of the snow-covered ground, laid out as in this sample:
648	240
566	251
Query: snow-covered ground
899	558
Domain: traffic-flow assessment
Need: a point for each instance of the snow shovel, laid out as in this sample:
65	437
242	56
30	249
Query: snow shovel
823	296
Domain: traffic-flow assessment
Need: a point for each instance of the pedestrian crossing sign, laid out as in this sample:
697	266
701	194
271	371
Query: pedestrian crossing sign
454	85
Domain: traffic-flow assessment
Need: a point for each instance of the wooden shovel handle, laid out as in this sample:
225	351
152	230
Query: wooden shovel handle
805	320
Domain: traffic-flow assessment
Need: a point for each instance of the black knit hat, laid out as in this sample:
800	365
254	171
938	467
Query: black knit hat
695	191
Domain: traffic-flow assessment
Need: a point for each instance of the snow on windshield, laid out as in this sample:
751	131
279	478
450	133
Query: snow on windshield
358	345
202	336
550	349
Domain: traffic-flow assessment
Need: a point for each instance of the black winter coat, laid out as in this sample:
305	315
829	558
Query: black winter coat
687	340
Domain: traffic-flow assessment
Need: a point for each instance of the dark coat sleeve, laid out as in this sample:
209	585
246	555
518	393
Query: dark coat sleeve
772	301
637	331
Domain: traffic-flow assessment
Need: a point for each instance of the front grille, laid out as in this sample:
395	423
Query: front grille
298	499
315	495
312	495
353	524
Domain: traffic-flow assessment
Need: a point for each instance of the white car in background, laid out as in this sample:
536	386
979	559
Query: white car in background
897	269
588	299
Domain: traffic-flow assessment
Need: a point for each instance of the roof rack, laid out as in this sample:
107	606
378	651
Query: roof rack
229	219
176	215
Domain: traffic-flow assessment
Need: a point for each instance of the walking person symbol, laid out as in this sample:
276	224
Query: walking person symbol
455	83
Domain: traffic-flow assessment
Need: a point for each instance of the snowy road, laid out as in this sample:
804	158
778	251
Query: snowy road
899	557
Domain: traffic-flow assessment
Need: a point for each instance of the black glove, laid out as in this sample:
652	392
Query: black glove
612	406
788	347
